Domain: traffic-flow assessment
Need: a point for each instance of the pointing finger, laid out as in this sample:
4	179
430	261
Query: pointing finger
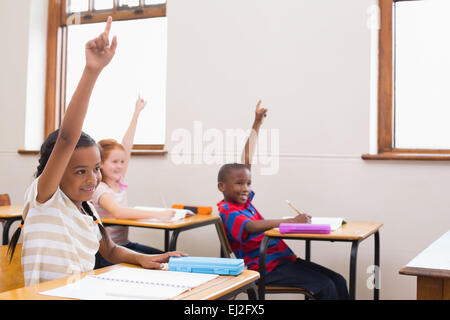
108	25
258	104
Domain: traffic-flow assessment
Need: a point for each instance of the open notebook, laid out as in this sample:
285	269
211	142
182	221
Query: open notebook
131	284
335	223
179	213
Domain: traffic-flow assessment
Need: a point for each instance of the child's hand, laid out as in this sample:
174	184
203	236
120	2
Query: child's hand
301	218
99	52
166	214
157	261
140	104
260	113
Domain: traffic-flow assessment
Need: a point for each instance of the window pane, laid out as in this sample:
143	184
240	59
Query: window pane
149	2
103	4
129	3
78	5
422	69
139	66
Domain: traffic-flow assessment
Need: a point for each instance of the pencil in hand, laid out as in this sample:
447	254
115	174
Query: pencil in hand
294	208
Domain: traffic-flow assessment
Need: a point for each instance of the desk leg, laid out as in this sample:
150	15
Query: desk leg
166	240
262	268
376	289
173	240
353	255
251	292
308	250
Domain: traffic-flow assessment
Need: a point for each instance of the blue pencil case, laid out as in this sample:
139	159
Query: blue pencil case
221	266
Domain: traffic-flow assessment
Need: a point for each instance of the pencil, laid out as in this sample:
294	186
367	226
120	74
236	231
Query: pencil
294	208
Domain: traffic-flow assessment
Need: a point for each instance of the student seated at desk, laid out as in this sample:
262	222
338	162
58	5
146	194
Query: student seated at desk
110	197
61	229
245	231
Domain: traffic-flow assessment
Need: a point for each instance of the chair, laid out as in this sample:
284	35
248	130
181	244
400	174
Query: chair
11	273
5	200
227	252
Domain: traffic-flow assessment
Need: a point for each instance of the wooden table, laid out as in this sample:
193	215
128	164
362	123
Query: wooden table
432	269
176	227
9	214
353	232
222	287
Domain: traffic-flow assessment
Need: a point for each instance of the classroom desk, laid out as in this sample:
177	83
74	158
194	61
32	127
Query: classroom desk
432	269
176	227
9	214
353	232
223	287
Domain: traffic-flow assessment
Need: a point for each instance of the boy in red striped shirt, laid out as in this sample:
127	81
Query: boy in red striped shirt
245	230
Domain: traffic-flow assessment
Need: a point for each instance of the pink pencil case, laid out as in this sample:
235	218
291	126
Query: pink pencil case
304	228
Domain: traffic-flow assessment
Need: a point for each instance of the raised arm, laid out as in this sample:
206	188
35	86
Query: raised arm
249	149
128	138
99	53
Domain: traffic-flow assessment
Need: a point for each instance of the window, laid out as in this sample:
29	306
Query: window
414	63
139	67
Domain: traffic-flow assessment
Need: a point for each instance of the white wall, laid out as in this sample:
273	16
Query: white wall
309	62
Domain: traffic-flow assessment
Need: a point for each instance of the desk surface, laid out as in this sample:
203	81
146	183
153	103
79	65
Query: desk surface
196	219
210	290
349	231
434	261
10	211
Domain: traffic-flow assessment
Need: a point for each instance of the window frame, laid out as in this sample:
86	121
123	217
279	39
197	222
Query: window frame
58	22
385	140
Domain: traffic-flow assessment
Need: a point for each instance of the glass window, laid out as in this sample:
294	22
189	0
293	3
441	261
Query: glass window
78	6
128	3
139	67
103	4
421	75
153	2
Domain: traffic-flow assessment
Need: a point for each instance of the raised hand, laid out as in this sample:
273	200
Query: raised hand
99	51
260	113
140	104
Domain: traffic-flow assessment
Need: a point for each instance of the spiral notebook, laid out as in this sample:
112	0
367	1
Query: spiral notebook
131	284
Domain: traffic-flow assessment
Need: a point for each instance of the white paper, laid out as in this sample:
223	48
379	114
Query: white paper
179	213
131	283
335	223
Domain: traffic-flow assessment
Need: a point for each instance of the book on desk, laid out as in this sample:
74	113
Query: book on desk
129	283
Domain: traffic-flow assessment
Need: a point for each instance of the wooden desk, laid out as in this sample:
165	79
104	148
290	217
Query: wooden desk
178	226
9	214
222	287
353	232
432	269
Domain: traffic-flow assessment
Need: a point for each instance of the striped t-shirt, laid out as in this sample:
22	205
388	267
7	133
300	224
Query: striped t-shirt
118	234
58	240
246	246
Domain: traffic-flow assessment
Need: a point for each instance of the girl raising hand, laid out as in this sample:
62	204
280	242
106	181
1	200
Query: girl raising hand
61	230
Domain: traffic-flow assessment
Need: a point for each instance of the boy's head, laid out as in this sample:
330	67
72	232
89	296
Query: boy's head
234	181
